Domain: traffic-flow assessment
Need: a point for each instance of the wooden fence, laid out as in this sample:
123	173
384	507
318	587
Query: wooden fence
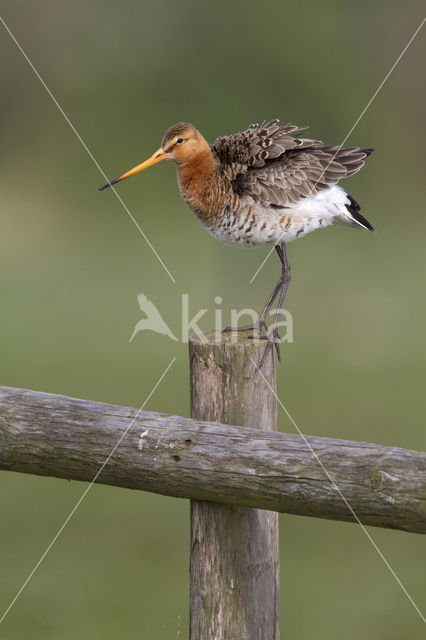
237	477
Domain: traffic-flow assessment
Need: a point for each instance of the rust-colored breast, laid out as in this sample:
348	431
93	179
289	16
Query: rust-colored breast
205	187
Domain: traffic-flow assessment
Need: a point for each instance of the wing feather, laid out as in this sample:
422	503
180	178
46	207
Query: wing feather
275	167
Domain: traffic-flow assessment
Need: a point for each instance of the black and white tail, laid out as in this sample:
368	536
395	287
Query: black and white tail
354	211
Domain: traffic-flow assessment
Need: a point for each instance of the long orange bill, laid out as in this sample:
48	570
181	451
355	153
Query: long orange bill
158	156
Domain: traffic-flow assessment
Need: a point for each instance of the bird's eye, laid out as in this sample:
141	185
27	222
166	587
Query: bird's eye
179	141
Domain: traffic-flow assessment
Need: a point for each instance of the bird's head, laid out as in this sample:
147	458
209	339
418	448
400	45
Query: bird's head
181	143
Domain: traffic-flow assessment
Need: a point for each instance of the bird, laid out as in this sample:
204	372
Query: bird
153	320
265	186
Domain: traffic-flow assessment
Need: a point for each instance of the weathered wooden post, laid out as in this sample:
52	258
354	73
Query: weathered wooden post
234	556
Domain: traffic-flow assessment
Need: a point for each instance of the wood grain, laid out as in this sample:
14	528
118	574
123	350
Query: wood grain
234	572
55	435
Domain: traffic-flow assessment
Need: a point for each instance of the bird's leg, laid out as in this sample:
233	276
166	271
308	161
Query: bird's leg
260	324
278	286
282	286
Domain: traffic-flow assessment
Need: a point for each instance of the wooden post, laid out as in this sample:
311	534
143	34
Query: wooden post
234	556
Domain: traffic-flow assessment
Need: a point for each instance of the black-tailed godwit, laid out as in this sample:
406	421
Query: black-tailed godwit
264	186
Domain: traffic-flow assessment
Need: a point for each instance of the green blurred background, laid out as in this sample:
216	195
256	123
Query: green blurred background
72	264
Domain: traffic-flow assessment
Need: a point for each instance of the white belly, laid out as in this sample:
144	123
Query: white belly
259	225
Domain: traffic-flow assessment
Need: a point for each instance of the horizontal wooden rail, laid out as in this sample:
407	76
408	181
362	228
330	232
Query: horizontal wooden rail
54	435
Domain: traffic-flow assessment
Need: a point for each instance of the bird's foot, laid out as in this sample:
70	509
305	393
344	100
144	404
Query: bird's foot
260	331
274	340
256	328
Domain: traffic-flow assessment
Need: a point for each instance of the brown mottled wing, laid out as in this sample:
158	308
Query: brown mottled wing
257	145
270	164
